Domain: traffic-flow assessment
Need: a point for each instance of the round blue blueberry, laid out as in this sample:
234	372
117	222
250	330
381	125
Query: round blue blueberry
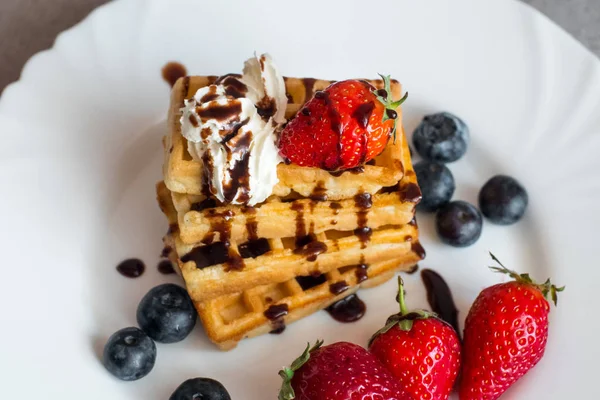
129	354
166	313
458	224
200	388
436	183
503	200
441	137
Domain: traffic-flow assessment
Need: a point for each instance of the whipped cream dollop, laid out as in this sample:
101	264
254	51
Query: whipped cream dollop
231	127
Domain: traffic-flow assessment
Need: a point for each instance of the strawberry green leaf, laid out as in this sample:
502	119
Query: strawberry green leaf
546	288
389	103
404	319
287	373
387	85
397	104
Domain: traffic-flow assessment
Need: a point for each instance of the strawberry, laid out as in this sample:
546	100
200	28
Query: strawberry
342	127
422	351
339	371
505	334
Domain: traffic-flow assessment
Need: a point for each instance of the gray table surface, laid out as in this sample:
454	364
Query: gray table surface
28	26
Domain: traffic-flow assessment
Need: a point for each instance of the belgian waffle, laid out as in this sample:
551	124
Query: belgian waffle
214	270
277	217
317	239
229	318
182	174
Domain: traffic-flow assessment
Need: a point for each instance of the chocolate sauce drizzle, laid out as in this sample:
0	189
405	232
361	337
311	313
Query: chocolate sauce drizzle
304	240
336	126
276	311
418	249
233	86
240	180
362	114
209	96
440	298
363	203
220	222
298	207
221	79
204	204
306	243
165	267
251	223
348	309
309	84
166	251
410	193
254	248
277	326
338	287
311	250
319	193
336	207
356	170
238	186
205	256
207	171
413	269
234	130
193	120
311	281
172	71
275	314
361	271
220	112
131	268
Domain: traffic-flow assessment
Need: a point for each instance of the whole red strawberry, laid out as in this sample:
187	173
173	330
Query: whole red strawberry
339	371
422	351
342	127
505	335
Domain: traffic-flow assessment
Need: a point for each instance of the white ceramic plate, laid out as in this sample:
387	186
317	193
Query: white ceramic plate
81	152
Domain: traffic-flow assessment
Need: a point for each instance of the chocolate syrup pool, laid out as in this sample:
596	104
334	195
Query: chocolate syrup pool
440	298
131	268
173	71
348	309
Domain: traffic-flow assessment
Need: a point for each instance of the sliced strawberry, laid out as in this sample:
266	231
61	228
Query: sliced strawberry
342	127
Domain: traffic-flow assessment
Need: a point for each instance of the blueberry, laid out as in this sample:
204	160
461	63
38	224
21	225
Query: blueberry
503	200
437	185
458	224
441	137
200	389
129	354
166	313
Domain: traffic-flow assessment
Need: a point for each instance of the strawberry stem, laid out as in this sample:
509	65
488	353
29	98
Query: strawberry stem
547	288
405	324
389	103
404	320
401	300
